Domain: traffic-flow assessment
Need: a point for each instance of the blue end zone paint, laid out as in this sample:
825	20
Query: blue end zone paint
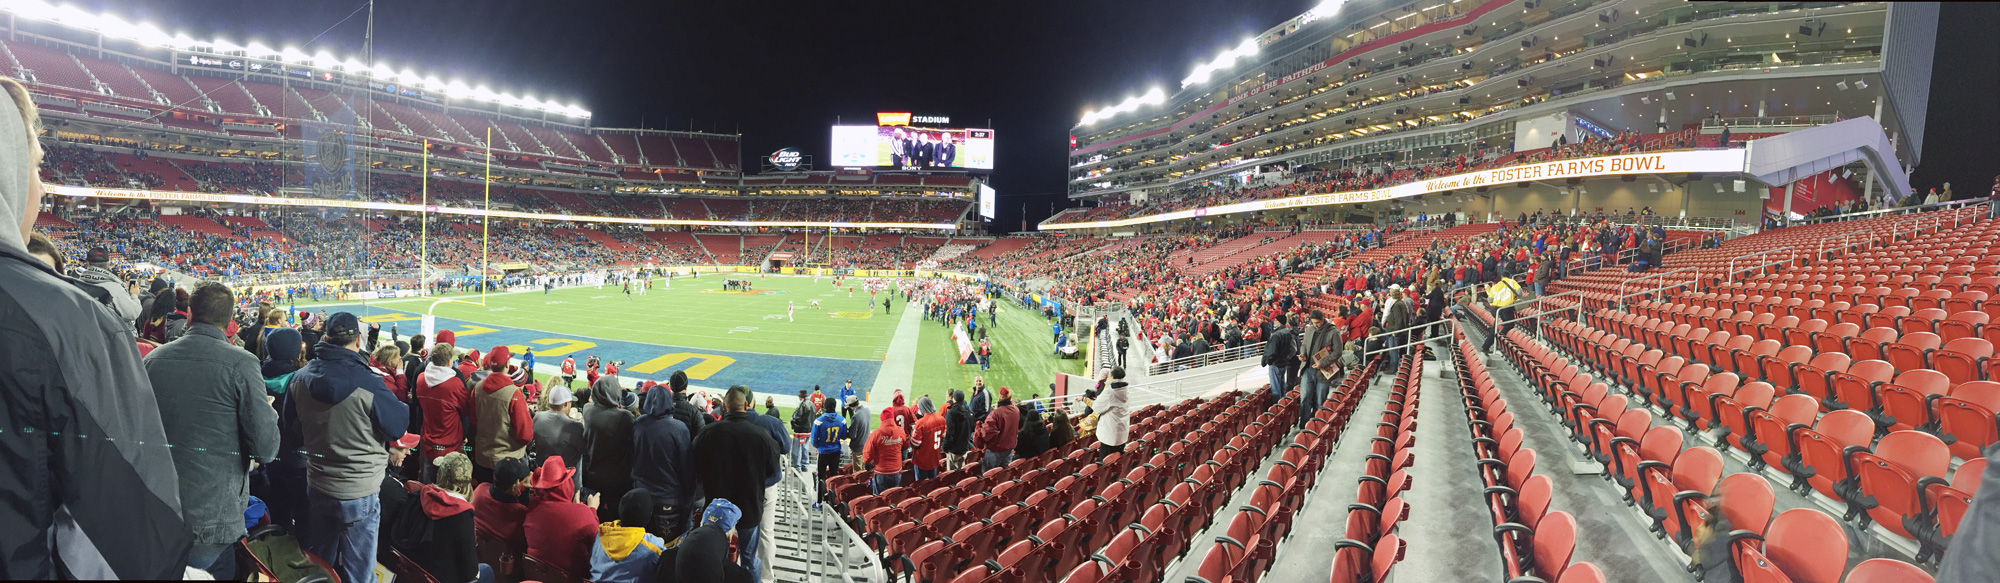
764	373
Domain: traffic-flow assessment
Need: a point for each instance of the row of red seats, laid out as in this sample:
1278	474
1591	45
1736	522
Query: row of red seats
1369	549
1248	545
1535	544
1801	544
1942	386
937	527
1140	553
1884	483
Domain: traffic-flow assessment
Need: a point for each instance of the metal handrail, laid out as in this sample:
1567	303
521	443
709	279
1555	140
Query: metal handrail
1869	214
1205	359
1732	262
1621	285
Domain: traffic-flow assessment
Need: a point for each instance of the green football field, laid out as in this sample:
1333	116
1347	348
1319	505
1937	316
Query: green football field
726	338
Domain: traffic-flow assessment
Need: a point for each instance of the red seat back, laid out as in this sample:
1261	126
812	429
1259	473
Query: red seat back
1807	545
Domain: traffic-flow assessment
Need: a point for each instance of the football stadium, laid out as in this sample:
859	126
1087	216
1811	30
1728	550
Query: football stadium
1556	291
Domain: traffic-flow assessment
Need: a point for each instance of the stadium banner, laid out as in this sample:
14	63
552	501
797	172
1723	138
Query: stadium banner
215	198
1681	162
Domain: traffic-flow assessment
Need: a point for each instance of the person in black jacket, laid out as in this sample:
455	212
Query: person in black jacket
802	422
395	496
1034	438
733	458
607	433
1281	355
436	531
661	465
703	555
958	422
691	416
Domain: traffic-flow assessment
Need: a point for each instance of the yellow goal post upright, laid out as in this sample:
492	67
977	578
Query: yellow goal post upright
424	235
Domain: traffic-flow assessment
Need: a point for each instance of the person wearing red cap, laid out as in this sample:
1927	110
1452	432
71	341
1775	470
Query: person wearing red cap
442	402
560	528
395	497
502	426
1000	432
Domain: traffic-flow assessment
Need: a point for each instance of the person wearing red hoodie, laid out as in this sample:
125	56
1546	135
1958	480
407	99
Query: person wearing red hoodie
560	528
440	537
927	440
1000	432
502	426
884	455
899	414
568	371
499	507
443	398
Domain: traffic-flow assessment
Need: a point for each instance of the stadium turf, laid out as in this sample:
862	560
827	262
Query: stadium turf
727	338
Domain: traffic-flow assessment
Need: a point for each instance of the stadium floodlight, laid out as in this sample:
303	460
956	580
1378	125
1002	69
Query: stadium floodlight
147	34
73	16
353	65
294	55
1325	9
1248	48
433	83
407	77
483	94
257	49
382	71
33	9
1153	97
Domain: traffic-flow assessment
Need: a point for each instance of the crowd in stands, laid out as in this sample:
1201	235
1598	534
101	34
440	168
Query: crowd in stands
1389	173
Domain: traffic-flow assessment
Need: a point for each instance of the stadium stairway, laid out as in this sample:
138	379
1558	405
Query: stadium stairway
1197	256
197	224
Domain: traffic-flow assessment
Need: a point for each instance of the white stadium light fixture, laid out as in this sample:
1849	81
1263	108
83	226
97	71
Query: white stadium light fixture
33	9
483	94
294	55
1248	48
353	65
382	71
1325	9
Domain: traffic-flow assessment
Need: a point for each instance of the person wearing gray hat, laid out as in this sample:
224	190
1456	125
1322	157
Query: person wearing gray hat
557	431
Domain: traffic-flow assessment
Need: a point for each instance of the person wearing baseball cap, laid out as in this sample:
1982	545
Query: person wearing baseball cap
502	426
703	554
500	506
395	497
346	416
557	430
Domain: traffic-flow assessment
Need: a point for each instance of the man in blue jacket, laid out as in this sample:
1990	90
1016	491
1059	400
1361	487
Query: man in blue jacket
345	415
828	432
660	463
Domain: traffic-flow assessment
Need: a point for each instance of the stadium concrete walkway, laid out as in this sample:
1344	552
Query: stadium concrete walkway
899	366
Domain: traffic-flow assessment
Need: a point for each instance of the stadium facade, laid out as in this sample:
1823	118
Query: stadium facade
1413	107
163	111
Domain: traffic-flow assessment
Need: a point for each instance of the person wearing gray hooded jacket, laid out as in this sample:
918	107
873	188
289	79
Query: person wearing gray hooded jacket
107	507
607	435
124	300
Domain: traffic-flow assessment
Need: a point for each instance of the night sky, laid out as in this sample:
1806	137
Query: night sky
780	73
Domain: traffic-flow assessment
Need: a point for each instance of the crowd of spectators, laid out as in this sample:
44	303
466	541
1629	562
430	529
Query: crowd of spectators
1364	177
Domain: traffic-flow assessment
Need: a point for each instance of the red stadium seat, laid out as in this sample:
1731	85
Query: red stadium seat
1890	474
1887	571
1820	460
